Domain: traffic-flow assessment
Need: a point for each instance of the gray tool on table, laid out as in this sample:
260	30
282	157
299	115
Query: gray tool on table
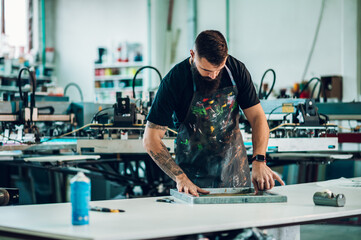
229	195
166	200
327	198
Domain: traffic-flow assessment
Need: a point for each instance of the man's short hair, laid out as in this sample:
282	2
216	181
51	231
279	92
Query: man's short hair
211	45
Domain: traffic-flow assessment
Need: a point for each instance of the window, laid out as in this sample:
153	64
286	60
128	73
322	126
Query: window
15	26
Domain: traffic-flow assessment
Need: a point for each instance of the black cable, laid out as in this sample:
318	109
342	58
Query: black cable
308	83
19	84
140	69
77	86
314	88
273	84
325	116
323	92
285	116
96	115
32	97
269	115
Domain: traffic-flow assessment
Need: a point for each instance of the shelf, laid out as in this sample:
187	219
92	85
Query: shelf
47	65
15	77
14	89
118	89
110	78
119	65
116	77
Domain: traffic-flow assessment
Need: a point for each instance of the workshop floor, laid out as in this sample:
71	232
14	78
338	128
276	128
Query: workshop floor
330	232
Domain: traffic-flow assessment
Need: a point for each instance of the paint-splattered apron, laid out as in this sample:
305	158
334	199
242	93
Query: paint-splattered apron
210	149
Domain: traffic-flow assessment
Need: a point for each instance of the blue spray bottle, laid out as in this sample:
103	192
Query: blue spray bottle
80	197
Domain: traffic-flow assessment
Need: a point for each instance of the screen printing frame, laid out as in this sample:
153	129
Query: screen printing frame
241	195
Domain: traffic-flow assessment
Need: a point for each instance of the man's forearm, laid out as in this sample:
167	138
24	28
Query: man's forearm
158	151
260	135
165	161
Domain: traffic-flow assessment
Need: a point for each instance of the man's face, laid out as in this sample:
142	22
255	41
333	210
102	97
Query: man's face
205	68
206	75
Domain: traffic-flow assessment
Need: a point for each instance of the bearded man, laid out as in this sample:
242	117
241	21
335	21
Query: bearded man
202	95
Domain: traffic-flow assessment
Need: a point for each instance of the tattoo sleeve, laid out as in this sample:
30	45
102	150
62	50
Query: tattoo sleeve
155	126
165	161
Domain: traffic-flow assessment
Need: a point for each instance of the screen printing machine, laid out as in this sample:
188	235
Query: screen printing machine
45	141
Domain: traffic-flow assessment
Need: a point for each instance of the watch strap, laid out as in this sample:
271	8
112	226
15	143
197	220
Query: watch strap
259	158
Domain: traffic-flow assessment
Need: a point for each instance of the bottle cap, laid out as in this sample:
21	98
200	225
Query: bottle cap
80	177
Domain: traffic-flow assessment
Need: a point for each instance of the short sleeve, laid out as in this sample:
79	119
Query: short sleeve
247	96
163	105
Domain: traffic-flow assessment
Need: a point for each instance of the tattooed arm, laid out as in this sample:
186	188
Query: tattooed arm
158	151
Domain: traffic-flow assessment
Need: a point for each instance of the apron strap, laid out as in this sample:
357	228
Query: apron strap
230	75
194	85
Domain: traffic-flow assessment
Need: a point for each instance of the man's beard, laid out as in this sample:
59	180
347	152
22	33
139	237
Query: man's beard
205	85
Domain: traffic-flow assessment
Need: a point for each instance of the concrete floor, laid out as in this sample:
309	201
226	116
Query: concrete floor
330	232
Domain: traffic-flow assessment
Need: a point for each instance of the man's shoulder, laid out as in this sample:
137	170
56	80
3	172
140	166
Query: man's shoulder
181	68
179	73
183	64
234	63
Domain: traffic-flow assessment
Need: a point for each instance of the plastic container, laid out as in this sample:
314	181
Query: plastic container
80	197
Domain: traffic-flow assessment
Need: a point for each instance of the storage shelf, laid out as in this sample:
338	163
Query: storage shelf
119	65
110	78
14	89
9	78
117	89
115	77
47	65
25	77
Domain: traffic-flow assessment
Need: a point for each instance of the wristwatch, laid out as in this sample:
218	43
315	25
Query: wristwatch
259	158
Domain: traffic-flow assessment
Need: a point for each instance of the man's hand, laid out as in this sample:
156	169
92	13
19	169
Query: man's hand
263	178
186	185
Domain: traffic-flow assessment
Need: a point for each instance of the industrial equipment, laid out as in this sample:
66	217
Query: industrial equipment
28	117
127	113
297	126
125	132
22	124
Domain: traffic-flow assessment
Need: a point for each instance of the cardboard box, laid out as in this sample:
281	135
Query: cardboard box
332	87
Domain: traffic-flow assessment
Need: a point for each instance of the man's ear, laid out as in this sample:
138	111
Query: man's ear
192	55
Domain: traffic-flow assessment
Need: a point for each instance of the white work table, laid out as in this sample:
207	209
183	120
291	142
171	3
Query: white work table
146	218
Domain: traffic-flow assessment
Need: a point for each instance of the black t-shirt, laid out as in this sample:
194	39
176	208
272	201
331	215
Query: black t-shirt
176	91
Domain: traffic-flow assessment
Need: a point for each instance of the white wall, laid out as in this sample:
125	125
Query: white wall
211	15
159	10
349	50
358	26
82	26
263	34
278	34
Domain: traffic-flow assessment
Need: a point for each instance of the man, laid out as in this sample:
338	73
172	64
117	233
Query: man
204	93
